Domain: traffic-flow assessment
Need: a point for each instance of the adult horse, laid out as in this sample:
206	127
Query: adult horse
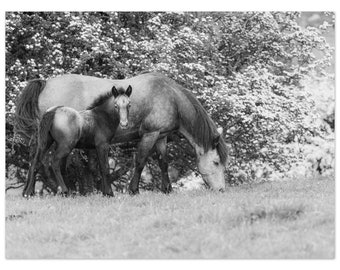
160	106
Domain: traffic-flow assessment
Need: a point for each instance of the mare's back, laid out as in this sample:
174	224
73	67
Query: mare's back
75	91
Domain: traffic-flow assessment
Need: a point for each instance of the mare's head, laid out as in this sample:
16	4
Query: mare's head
211	162
207	139
122	105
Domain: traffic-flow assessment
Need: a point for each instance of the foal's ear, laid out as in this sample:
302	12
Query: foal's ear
128	91
114	91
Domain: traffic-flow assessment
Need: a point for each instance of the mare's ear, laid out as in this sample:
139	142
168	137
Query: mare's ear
217	138
128	91
216	141
114	91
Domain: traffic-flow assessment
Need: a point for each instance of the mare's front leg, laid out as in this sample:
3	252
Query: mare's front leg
144	149
163	164
103	152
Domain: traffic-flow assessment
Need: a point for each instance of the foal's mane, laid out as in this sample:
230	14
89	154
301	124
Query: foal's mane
100	100
203	129
104	97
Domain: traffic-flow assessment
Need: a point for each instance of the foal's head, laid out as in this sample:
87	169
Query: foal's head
122	105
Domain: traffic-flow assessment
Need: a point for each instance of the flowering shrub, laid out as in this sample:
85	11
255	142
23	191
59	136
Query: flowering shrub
247	69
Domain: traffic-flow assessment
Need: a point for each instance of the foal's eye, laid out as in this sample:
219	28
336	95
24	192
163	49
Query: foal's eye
216	163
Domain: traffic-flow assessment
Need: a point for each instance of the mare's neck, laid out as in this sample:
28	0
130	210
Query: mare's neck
198	149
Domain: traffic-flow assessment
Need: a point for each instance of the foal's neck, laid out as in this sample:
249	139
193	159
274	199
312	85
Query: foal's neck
102	114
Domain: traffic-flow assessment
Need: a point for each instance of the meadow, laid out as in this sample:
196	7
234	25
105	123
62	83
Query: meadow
293	219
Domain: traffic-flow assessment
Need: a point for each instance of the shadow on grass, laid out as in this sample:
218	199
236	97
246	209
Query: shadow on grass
279	213
18	216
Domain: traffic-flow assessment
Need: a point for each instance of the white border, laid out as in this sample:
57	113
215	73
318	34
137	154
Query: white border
156	5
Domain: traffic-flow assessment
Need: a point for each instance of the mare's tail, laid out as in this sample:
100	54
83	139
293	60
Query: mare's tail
27	109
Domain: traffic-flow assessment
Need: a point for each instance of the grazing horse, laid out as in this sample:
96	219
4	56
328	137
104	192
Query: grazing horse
160	106
91	128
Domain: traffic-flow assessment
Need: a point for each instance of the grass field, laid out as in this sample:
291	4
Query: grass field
290	219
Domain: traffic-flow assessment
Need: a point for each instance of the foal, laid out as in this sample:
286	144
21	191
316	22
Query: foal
92	128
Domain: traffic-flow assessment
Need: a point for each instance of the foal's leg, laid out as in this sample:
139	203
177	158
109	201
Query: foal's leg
103	152
68	182
144	149
163	164
61	152
30	183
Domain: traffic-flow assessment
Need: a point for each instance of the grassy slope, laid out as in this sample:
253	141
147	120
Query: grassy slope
293	219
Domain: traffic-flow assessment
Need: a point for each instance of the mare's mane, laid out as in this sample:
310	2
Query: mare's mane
203	129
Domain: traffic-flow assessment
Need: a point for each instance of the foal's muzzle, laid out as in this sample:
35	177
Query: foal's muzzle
124	125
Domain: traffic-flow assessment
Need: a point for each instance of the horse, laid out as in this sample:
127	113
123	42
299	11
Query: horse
161	106
91	128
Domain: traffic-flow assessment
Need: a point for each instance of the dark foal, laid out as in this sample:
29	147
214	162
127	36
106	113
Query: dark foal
88	129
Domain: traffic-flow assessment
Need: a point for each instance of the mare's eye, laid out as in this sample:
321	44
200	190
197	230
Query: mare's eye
216	163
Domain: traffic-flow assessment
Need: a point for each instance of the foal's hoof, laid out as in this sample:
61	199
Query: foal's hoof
62	192
167	189
133	192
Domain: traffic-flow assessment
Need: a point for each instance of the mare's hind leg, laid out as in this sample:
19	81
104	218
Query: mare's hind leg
61	152
145	147
163	164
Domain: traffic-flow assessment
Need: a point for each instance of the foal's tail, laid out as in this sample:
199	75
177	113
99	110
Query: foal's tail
45	127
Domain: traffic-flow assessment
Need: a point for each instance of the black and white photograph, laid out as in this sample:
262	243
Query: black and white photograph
171	135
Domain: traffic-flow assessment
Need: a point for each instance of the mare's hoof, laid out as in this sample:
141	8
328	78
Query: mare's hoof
108	194
28	195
